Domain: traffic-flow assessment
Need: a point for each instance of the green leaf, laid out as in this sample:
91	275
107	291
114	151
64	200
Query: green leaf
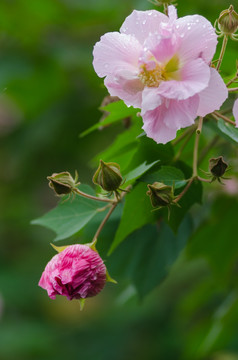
216	238
149	151
168	175
70	216
191	197
117	111
148	254
123	148
136	213
229	130
138	171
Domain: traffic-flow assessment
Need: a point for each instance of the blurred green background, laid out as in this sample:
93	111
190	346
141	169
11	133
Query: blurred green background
49	94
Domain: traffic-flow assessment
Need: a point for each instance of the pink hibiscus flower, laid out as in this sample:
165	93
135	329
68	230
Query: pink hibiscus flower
235	111
77	272
160	64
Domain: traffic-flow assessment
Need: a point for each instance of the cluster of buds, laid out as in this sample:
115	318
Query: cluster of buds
78	271
228	23
107	176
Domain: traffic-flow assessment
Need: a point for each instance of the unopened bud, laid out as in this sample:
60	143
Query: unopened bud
228	21
62	183
108	176
217	167
160	194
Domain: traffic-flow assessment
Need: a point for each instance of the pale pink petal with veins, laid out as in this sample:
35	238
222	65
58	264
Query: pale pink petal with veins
213	96
235	111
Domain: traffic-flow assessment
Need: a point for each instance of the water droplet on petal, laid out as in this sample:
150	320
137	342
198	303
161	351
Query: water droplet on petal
182	35
189	27
177	26
150	13
197	20
204	26
144	22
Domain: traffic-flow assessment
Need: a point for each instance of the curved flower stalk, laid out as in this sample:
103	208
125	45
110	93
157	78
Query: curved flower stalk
160	64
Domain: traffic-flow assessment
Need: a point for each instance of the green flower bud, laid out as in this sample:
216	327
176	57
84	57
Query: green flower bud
108	176
217	167
228	21
62	183
160	194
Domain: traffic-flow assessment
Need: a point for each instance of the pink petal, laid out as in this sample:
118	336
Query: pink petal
162	123
180	114
172	13
141	23
213	96
129	89
199	38
235	111
155	128
151	99
162	47
195	77
116	52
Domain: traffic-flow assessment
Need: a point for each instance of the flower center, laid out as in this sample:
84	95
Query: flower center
152	77
152	73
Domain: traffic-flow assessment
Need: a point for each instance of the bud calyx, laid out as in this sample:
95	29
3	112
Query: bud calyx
108	176
63	183
228	22
217	167
160	194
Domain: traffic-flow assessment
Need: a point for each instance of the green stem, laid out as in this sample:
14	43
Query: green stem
196	144
184	190
166	9
195	160
208	148
93	197
113	206
232	81
203	180
223	48
216	115
177	156
104	221
184	134
233	89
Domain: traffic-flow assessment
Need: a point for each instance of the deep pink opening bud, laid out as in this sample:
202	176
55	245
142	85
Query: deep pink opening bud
77	272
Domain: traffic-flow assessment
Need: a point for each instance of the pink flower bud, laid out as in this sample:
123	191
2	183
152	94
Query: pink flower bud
77	272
